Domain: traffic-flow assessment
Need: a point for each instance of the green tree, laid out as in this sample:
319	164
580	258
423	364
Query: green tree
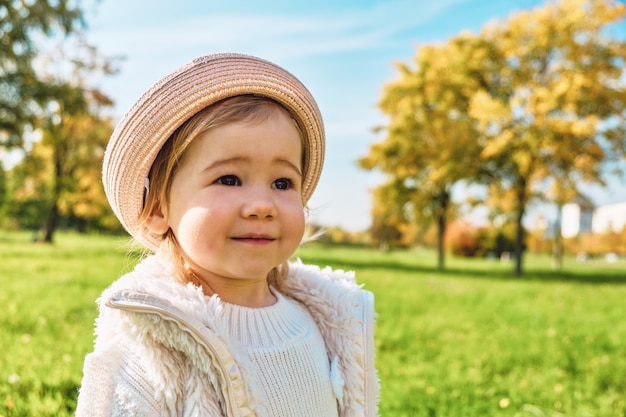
60	177
65	162
20	22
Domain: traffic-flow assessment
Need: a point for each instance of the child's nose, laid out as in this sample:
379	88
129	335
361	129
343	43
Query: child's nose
259	203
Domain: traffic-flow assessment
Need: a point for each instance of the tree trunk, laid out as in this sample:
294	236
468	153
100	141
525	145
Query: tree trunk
441	250
51	223
519	235
519	244
53	215
442	201
557	246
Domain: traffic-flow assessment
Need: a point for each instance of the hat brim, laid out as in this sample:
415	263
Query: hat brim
174	99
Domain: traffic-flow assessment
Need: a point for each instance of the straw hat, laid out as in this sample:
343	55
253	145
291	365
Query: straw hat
178	96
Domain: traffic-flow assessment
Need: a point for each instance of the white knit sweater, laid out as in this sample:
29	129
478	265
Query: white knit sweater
289	353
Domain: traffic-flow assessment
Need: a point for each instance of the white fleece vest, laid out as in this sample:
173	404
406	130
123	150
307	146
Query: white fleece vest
161	349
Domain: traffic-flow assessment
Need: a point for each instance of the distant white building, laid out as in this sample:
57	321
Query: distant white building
580	218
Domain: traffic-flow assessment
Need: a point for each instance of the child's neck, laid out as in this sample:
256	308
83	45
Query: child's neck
246	293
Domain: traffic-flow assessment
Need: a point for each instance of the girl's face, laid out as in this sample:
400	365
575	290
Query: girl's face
235	203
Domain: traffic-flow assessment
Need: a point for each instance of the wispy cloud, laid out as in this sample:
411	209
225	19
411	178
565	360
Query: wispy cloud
294	35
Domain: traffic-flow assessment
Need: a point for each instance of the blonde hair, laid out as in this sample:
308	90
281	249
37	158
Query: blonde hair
243	108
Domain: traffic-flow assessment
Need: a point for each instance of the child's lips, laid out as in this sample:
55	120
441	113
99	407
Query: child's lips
255	239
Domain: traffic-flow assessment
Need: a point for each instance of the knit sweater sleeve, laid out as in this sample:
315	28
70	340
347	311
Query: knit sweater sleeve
114	385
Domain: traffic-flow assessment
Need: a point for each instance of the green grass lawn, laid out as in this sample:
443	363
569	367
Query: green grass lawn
470	341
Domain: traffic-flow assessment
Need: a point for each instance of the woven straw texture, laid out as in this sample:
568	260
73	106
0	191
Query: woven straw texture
178	96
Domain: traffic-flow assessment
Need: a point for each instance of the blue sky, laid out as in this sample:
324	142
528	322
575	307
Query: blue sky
342	50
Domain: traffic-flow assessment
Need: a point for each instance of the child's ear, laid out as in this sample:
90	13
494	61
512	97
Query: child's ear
157	221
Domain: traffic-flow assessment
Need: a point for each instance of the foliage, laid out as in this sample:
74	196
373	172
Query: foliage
533	102
49	109
28	191
63	170
20	87
486	241
388	220
468	341
586	245
496	240
430	141
555	110
59	178
594	245
337	235
461	239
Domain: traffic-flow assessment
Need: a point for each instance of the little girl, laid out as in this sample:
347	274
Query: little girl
211	170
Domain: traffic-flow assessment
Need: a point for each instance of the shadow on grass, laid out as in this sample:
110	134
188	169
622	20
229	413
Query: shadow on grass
498	272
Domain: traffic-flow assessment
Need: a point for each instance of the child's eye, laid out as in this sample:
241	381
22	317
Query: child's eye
282	184
229	180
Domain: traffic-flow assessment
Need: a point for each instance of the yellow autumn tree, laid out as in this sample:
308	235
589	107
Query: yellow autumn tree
534	100
430	142
389	220
556	113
